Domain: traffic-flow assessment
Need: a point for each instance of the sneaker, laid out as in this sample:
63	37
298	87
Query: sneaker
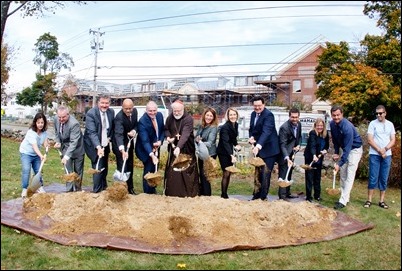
24	193
41	190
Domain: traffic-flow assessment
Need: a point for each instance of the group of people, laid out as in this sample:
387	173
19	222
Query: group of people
124	134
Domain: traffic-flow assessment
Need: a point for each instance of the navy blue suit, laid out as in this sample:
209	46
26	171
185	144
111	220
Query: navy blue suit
144	145
265	134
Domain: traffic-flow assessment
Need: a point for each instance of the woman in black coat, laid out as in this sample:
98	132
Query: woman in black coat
317	147
227	143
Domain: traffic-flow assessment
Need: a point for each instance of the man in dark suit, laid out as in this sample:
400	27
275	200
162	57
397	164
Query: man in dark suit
149	141
96	142
69	140
125	130
264	139
290	136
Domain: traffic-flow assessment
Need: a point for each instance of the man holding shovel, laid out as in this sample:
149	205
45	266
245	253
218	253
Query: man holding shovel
125	130
149	140
263	136
69	140
98	132
346	137
290	136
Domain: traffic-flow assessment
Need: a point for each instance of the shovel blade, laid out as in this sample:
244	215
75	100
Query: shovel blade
120	177
35	182
284	183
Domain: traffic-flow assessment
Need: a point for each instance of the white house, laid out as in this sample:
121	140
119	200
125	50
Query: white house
12	109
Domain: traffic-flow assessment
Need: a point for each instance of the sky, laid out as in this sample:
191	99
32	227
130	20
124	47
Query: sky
154	40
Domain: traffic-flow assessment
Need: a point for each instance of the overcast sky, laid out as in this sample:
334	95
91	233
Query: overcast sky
207	37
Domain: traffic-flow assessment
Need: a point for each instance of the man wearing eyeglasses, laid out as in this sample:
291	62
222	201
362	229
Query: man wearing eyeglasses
381	138
346	137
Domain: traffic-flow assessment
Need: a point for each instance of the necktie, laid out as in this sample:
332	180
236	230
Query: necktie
155	125
61	128
256	118
104	130
295	131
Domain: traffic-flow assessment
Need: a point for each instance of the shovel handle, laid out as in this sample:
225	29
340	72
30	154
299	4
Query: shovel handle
61	155
287	173
334	180
312	162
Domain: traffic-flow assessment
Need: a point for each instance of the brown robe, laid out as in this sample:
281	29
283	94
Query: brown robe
183	183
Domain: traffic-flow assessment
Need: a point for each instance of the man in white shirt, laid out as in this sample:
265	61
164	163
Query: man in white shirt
381	138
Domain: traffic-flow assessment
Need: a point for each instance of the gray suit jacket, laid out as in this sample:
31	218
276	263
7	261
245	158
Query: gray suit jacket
71	140
93	131
208	135
287	140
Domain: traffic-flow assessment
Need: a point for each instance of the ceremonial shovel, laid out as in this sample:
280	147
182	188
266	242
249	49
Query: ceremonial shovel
35	181
333	191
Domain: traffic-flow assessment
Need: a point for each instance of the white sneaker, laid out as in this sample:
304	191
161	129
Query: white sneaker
24	193
41	190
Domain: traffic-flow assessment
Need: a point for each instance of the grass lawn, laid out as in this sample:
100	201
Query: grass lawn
376	249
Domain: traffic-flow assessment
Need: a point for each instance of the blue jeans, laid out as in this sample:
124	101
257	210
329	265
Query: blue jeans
28	162
378	171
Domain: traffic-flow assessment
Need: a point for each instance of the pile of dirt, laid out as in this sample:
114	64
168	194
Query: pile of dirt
161	220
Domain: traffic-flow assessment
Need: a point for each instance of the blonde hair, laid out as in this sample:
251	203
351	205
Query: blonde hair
213	112
324	131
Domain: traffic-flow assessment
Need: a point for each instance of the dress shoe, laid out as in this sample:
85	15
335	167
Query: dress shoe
291	197
224	195
131	192
318	199
338	206
310	200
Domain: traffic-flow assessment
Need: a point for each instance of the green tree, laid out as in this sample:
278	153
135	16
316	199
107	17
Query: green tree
41	92
389	16
30	8
361	80
48	57
5	69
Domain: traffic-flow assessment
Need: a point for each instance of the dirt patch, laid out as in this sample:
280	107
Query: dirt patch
161	220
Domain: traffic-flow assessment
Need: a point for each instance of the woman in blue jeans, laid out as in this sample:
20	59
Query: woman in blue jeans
31	156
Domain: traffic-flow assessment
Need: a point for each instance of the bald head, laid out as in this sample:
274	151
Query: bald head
151	109
127	106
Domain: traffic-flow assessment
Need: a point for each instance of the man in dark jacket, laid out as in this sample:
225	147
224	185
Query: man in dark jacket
125	130
149	140
264	139
290	136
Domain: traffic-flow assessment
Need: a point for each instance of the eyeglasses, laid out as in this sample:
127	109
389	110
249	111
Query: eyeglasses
379	113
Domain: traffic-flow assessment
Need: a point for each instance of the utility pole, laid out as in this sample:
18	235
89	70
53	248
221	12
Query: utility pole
96	45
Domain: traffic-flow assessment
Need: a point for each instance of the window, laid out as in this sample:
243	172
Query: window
296	86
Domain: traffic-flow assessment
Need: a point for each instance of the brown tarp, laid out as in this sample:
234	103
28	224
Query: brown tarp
12	216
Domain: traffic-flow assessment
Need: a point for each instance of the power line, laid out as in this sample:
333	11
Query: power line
224	11
233	20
